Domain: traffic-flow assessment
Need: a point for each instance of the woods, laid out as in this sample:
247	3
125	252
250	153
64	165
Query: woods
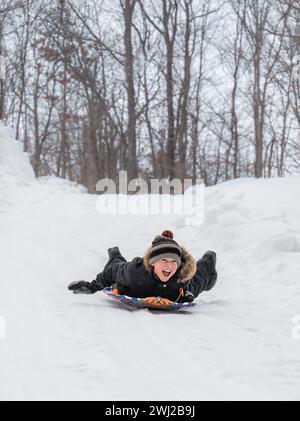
159	88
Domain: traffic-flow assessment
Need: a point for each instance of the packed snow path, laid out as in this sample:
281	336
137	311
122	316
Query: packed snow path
239	342
236	344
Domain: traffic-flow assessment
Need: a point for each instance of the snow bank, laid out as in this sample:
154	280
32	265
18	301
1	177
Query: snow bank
257	219
239	342
254	226
14	163
16	174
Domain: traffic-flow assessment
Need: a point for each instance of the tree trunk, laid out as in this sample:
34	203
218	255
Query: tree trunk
169	41
132	167
185	90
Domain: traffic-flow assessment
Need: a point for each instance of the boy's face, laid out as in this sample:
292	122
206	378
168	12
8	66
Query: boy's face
165	269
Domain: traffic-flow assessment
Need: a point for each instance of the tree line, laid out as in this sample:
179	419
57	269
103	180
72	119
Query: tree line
159	88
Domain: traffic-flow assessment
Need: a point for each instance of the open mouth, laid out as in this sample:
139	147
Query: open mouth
166	273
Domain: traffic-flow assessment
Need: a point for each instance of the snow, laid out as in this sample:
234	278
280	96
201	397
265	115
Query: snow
238	343
14	164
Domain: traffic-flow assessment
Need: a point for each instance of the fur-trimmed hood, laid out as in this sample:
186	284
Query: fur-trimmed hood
187	268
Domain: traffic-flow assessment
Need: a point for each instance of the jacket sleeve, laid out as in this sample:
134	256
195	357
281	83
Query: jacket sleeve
203	280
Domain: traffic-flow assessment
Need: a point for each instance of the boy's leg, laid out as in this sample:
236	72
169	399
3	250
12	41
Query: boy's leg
206	275
208	265
114	256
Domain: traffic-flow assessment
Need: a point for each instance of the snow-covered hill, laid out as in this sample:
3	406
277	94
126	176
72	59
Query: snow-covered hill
238	343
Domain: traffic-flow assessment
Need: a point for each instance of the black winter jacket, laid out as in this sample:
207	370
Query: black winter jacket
137	279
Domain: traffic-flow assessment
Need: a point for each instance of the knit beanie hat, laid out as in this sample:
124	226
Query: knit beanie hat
163	246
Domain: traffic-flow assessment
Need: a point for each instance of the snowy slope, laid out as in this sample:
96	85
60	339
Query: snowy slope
236	344
14	164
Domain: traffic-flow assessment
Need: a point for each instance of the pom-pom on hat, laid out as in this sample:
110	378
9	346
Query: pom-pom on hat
164	246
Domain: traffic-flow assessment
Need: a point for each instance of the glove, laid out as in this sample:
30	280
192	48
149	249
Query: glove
188	297
80	287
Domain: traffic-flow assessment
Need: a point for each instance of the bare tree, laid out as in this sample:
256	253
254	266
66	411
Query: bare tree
262	28
182	121
128	10
166	23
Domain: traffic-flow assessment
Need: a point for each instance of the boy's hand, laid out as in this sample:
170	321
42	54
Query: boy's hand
80	287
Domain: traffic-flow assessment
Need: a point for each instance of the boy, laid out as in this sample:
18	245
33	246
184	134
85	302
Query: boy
167	270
